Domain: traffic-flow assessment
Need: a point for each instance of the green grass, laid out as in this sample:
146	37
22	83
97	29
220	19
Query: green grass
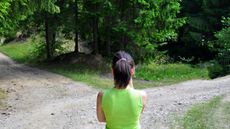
146	75
214	114
21	52
226	111
200	116
90	76
171	72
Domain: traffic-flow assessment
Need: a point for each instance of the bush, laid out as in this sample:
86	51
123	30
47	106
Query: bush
223	58
39	48
38	51
215	70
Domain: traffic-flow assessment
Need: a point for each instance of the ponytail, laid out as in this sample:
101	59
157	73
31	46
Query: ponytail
122	65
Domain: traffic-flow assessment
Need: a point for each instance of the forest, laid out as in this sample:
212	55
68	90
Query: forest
160	31
56	55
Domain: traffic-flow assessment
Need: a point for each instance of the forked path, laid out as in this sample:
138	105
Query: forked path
42	100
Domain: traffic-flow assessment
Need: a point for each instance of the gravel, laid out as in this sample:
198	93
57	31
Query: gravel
42	100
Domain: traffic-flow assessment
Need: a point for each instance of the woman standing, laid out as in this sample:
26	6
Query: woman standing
121	106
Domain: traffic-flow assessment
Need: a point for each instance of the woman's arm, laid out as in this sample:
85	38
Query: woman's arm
144	99
100	113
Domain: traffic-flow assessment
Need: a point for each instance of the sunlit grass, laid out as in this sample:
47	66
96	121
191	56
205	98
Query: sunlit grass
171	72
214	114
91	76
21	52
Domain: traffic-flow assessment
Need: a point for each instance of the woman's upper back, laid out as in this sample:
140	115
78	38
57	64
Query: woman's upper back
122	108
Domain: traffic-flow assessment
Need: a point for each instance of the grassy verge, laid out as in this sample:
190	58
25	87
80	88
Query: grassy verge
21	52
214	114
171	72
90	76
199	116
146	75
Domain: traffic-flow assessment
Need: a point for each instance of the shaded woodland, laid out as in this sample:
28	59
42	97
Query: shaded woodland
165	31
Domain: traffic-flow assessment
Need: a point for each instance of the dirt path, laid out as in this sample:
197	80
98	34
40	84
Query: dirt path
41	100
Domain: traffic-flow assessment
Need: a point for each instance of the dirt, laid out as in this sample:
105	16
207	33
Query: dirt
42	100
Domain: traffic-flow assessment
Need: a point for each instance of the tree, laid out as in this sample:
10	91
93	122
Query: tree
11	13
203	20
223	41
76	12
48	9
158	22
4	6
110	25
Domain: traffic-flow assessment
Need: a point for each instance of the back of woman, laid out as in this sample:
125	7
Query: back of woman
122	108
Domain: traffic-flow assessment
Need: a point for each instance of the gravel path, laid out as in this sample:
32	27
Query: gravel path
41	100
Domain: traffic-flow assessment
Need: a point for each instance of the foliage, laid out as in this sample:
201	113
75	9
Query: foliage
158	22
223	41
10	15
196	36
38	50
148	29
215	70
46	5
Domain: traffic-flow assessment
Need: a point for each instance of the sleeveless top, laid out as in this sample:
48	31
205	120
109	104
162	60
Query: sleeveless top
122	108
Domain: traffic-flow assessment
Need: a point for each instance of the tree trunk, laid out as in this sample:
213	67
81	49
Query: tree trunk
122	17
76	27
95	34
108	32
47	36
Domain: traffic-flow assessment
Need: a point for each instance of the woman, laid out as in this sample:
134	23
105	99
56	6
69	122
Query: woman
121	106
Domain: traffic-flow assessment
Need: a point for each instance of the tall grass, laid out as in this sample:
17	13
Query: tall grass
171	72
21	52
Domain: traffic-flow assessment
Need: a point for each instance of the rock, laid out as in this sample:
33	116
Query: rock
5	113
179	103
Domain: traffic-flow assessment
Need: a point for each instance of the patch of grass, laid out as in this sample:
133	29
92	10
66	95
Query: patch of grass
146	75
201	116
21	52
222	118
93	77
170	73
90	76
226	112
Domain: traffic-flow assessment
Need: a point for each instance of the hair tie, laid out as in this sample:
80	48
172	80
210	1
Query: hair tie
124	59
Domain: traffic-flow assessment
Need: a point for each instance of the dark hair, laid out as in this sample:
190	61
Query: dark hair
122	65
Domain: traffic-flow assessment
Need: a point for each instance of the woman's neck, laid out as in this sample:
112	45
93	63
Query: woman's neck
130	85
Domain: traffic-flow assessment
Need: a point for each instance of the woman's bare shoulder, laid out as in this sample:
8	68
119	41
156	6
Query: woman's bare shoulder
143	94
100	94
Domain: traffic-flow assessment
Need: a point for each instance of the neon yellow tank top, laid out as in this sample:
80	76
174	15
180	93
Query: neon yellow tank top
122	108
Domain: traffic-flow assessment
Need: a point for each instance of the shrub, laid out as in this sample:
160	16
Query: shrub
215	70
223	40
38	48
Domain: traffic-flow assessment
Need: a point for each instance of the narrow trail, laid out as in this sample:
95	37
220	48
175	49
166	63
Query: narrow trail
42	100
